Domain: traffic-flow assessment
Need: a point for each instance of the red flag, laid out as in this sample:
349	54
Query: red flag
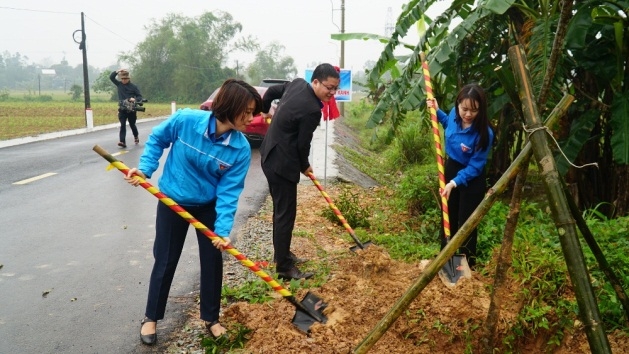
330	110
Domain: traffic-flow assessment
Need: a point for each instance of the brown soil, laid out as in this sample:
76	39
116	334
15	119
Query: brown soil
362	287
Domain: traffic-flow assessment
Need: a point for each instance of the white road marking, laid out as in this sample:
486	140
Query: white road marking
33	179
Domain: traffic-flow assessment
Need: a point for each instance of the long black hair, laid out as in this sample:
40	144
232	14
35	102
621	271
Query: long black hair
478	100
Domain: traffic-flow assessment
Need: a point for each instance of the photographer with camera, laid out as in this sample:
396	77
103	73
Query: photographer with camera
129	102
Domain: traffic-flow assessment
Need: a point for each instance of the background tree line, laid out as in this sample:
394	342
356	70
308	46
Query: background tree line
16	73
185	59
181	58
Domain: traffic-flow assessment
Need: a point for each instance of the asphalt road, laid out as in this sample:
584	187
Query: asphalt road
76	246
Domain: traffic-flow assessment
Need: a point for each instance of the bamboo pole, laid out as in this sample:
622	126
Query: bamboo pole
568	237
457	240
504	261
615	282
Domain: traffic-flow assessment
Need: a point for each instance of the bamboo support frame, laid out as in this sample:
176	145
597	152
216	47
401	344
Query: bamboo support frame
568	237
457	240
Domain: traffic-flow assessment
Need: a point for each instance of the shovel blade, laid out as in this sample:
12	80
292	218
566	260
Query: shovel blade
314	306
455	269
357	247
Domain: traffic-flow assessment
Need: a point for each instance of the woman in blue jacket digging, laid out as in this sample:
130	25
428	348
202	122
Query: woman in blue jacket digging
205	173
468	140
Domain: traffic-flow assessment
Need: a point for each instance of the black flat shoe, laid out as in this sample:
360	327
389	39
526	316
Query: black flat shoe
209	325
148	339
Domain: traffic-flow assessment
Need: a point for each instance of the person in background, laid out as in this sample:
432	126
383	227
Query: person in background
284	154
468	140
128	94
204	173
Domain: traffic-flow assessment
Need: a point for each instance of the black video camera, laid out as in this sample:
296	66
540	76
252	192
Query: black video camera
137	106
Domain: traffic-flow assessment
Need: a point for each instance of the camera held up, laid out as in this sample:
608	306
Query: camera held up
137	106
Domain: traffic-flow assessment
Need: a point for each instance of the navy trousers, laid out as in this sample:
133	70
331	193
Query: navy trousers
171	230
461	204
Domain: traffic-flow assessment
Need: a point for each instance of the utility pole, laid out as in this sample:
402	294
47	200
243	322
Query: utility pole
342	63
89	121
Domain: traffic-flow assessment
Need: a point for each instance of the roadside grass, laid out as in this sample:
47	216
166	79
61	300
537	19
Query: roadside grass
407	222
21	117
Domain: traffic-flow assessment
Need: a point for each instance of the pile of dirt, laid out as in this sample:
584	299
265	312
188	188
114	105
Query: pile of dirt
361	288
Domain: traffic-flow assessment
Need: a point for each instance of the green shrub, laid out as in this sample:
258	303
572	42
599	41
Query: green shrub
348	205
75	91
412	246
419	187
611	237
414	143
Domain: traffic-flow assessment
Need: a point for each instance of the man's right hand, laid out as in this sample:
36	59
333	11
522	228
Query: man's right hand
308	170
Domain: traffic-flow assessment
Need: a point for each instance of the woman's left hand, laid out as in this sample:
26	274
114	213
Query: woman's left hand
131	176
221	243
445	192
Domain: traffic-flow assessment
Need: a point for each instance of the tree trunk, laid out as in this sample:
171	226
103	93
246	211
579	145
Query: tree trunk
621	203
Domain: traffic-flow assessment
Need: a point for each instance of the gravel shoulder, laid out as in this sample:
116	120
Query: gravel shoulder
254	240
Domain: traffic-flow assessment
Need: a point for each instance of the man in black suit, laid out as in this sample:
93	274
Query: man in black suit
285	151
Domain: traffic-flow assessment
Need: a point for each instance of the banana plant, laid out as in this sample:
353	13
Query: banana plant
598	40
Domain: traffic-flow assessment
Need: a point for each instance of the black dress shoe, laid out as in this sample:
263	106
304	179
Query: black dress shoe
148	339
294	259
294	273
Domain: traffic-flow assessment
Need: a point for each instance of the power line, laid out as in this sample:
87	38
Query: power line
31	10
110	31
68	13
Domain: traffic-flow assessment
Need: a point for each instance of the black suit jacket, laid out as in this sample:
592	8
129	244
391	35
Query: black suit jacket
286	146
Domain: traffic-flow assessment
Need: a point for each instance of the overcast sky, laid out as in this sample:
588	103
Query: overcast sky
42	30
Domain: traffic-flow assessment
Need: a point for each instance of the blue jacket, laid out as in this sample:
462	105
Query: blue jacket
460	146
198	170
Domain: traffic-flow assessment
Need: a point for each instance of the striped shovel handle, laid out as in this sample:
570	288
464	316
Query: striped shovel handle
437	137
197	224
336	211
